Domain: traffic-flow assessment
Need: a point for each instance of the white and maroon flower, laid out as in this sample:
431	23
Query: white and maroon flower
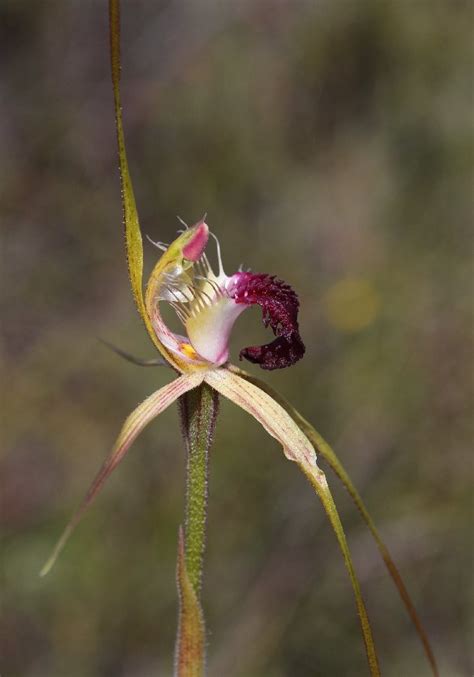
208	304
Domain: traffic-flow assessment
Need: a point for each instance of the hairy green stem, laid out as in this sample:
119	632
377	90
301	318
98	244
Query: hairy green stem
198	409
198	412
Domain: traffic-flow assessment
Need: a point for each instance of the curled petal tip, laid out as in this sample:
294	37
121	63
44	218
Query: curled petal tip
279	304
280	353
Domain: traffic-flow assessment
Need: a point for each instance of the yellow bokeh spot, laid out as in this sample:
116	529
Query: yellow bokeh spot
351	304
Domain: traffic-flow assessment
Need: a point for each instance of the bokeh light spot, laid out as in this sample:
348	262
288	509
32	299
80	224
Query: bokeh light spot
351	304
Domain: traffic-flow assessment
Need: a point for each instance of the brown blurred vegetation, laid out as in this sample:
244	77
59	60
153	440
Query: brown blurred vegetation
330	142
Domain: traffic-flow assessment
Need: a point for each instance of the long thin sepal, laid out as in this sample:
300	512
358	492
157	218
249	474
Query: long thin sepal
318	481
269	413
326	451
190	643
296	446
323	448
135	423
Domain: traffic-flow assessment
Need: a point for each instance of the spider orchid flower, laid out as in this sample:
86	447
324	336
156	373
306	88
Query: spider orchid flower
208	303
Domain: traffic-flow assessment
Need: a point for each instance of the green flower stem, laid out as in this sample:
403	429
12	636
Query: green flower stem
198	409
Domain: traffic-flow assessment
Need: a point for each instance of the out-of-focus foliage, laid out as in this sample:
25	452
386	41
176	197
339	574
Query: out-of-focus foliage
330	143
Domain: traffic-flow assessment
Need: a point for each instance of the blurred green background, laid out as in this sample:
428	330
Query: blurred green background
330	143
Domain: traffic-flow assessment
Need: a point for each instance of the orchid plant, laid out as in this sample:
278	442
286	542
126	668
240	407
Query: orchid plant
208	302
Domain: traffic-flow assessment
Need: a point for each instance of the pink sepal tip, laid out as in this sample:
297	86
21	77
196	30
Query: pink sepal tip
195	247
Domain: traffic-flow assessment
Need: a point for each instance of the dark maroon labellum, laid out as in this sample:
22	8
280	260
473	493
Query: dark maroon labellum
279	304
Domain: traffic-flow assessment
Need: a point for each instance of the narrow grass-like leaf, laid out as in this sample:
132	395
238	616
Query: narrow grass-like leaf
296	446
324	449
134	424
190	643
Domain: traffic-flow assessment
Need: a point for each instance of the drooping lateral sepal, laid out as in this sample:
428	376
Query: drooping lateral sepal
323	449
297	448
319	483
279	304
271	415
133	426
